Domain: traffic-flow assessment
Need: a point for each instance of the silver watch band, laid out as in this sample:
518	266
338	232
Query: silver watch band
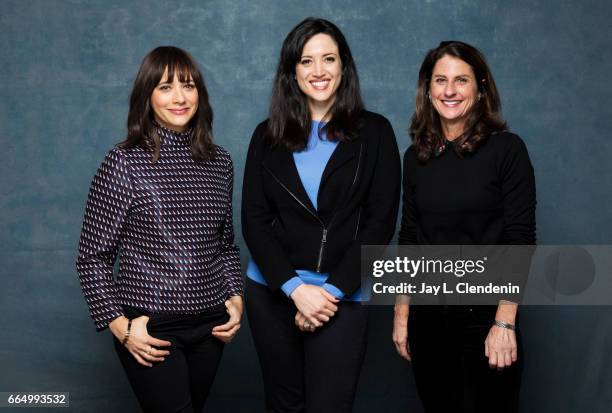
504	325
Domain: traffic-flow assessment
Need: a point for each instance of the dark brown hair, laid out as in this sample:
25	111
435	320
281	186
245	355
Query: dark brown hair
290	119
141	129
483	119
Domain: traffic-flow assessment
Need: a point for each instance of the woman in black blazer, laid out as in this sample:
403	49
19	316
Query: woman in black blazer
322	178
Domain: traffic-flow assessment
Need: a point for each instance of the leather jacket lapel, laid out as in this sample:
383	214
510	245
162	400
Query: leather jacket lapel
279	161
345	151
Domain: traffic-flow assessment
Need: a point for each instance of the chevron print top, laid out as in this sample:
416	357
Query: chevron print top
171	224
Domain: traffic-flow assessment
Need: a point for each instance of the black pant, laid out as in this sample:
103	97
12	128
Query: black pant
451	371
306	372
181	382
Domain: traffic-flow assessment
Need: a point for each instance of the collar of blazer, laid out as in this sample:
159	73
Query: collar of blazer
279	161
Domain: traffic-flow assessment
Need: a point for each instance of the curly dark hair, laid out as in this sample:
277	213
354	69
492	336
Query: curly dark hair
483	119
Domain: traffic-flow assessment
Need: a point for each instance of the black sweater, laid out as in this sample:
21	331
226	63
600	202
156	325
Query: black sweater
357	204
484	198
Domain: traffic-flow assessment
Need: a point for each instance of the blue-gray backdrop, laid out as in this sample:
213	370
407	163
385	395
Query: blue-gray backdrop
67	71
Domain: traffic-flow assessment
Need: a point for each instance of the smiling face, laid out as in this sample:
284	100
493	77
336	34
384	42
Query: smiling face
319	73
454	91
174	102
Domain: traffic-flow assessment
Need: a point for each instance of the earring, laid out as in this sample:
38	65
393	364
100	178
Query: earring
428	96
479	96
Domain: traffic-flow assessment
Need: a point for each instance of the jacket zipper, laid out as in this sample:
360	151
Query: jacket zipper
315	216
322	249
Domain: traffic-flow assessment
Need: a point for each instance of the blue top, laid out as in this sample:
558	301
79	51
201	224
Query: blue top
310	164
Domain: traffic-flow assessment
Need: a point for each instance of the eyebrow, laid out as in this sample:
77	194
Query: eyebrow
169	83
466	75
325	54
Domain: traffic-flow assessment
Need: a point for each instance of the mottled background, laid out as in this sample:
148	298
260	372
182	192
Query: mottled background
67	71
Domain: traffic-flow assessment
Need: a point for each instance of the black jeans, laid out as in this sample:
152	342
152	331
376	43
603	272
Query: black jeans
306	372
181	382
451	371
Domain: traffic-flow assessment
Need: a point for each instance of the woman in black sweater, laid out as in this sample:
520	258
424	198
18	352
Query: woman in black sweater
322	178
162	201
467	181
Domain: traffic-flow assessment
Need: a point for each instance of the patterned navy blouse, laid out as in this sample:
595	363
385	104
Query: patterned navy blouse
171	224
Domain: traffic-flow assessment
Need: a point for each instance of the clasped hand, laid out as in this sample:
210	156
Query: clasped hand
315	306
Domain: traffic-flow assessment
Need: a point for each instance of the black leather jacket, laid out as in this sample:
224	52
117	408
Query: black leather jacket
358	203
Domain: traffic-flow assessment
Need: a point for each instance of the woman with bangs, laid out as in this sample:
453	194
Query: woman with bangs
467	181
162	201
322	178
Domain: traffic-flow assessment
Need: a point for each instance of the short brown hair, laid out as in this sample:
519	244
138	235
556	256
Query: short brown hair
141	130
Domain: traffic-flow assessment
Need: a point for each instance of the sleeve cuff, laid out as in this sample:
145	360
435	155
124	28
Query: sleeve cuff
103	320
291	285
333	290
